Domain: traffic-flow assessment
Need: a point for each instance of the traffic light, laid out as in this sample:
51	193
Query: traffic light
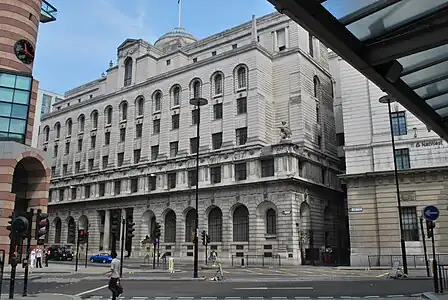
203	234
207	239
130	230
42	225
83	235
115	224
430	225
17	225
157	233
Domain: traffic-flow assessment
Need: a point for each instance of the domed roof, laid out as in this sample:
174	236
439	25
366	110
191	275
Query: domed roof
174	39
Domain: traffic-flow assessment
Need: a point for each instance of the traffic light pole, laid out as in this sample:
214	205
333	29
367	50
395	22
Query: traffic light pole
206	252
154	255
158	251
77	253
87	248
13	262
27	257
123	224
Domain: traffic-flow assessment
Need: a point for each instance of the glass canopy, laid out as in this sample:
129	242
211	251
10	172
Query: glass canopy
401	45
48	12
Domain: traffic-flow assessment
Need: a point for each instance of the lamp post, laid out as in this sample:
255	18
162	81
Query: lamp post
198	102
388	99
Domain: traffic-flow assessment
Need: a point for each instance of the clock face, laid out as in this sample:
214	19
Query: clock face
24	51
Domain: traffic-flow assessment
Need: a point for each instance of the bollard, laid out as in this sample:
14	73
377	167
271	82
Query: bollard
242	262
171	265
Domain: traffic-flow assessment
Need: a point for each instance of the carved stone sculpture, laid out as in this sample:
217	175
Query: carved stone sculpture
285	132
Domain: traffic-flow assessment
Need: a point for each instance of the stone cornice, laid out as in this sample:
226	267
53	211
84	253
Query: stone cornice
391	173
164	76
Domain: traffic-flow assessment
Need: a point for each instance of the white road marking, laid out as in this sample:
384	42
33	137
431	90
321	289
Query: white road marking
393	296
368	297
277	288
92	290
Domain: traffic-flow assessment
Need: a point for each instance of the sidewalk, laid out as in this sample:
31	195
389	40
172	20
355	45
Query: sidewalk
43	297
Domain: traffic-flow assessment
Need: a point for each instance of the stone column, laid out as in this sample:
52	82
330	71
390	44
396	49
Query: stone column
106	235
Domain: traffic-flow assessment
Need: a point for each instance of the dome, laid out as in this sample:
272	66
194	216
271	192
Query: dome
174	39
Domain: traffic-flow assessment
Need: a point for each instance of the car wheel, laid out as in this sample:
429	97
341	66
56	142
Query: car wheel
104	261
92	260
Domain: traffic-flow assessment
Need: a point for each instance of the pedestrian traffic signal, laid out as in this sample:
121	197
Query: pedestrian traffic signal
157	233
17	225
115	224
207	239
203	234
42	225
130	229
430	225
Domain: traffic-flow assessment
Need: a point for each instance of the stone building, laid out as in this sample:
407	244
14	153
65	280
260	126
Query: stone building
124	144
422	161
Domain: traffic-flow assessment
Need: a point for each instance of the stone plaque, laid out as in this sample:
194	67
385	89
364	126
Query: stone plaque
408	196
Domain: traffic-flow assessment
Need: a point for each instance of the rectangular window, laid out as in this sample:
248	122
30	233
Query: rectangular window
410	223
319	142
55	151
61	195
215	174
137	155
192	178
117	187
241	136
234	46
213	53
79	145
102	189
402	156
194	116
267	167
152	180
87	191
93	142
105	161
168	62
154	152
281	39
64	169
217	111
73	193
90	164
217	140
195	59
67	148
120	159
53	171
107	138
311	44
174	148
156	126
134	185
241	105
240	171
172	177
317	112
399	123
193	145
138	131
340	139
323	173
122	134
175	121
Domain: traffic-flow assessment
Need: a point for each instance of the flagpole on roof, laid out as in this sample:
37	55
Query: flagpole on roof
179	6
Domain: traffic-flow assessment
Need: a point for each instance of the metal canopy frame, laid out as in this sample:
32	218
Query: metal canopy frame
406	59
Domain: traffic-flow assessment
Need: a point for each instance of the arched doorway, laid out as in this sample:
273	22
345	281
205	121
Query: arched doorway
306	238
190	225
170	227
83	222
57	230
215	225
241	224
148	223
71	231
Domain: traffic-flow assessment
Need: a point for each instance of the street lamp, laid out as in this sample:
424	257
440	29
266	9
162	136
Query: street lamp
198	102
388	99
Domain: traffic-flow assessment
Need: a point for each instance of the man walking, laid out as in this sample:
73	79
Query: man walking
39	258
114	281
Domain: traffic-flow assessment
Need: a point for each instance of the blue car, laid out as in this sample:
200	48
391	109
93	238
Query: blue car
104	258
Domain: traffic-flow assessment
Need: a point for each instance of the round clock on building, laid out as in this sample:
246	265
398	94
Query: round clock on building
24	51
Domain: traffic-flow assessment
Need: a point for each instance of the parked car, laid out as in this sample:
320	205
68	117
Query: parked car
104	258
60	253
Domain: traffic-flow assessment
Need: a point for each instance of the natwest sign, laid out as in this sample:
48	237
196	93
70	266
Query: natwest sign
438	142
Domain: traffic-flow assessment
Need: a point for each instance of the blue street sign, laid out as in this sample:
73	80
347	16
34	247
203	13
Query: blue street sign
431	213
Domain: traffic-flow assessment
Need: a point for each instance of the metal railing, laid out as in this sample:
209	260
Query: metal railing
443	277
256	260
414	261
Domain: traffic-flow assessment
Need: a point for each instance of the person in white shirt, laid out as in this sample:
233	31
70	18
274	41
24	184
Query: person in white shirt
114	281
38	258
32	258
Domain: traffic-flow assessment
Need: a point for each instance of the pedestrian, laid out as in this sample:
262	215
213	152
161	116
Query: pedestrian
32	258
38	258
47	257
114	281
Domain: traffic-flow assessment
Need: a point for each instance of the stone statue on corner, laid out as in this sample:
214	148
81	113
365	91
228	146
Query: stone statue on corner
285	132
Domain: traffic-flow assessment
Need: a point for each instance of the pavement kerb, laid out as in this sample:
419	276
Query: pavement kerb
430	296
43	296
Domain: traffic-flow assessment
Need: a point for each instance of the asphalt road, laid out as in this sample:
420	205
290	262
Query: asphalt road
329	288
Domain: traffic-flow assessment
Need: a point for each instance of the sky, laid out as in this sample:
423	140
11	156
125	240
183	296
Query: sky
78	46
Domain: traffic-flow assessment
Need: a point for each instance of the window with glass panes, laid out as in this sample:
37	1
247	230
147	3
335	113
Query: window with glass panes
267	167
172	178
105	161
156	126
154	152
134	185
122	134
90	164
137	155
102	189
14	106
194	116
241	105
87	191
107	138
175	121
138	131
240	171
217	140
217	111
193	145
410	223
73	193
67	148
152	180
64	169
241	136
402	156
120	159
80	145
93	142
174	148
117	187
215	174
399	123
192	178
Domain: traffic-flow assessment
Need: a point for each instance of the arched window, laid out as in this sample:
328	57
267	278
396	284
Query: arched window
71	232
157	101
139	106
176	95
196	89
108	113
46	133
215	225
57	230
170	227
218	84
69	126
242	77
81	123
271	221
241	224
123	111
57	127
316	86
127	71
94	118
190	222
